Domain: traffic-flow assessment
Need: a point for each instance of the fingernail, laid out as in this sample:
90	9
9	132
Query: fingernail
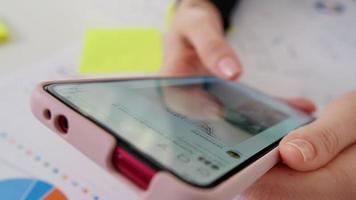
303	147
228	67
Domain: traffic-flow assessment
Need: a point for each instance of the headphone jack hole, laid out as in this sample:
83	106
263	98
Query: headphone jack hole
61	124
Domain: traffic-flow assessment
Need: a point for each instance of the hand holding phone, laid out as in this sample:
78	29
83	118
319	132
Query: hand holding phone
197	136
325	172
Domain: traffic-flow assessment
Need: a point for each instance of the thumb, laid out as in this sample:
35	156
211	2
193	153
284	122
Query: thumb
314	145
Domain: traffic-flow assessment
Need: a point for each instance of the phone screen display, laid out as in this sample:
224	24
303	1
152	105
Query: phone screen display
198	128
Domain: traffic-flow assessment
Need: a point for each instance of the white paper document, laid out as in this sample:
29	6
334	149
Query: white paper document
31	153
297	47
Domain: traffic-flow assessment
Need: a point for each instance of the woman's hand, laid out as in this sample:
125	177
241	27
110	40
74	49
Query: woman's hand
195	44
319	159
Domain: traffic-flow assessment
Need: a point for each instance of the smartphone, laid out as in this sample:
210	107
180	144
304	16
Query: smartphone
199	131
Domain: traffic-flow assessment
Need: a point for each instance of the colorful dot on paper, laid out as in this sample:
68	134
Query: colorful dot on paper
38	158
4	33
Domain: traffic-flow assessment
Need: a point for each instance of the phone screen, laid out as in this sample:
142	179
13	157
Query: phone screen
198	128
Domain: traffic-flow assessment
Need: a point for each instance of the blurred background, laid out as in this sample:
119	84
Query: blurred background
303	44
40	28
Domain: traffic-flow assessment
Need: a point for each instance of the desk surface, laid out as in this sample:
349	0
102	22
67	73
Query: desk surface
289	42
41	28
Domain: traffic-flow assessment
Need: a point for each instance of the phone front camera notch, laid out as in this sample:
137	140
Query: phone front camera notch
233	154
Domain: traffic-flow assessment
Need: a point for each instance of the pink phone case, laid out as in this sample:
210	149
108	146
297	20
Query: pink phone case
94	142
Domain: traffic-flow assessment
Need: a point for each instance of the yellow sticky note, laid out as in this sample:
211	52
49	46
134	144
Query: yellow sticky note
127	50
4	33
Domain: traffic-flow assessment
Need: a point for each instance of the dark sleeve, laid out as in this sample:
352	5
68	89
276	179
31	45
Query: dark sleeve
226	8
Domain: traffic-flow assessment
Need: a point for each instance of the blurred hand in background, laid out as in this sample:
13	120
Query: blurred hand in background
195	44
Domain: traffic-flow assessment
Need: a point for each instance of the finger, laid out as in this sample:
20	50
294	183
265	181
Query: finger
334	181
302	104
312	146
206	36
176	55
180	58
